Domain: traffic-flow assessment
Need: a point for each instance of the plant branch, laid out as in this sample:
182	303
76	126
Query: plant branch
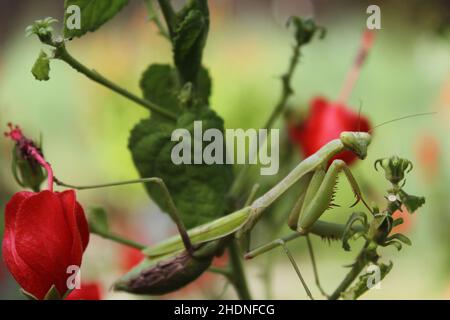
287	90
61	53
238	279
169	15
118	239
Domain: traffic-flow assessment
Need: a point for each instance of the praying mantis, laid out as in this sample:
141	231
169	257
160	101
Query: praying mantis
179	260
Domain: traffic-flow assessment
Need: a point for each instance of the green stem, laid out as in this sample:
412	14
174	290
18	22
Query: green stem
287	90
104	185
239	280
123	241
169	15
61	53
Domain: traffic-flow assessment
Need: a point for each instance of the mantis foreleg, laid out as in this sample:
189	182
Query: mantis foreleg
320	192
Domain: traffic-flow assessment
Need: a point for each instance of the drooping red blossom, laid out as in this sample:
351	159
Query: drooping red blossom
88	291
325	122
45	233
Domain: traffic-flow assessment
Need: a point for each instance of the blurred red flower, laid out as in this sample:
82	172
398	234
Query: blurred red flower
88	291
408	221
428	152
325	122
129	258
45	233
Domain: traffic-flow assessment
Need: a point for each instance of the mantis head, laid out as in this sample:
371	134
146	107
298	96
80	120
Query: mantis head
356	142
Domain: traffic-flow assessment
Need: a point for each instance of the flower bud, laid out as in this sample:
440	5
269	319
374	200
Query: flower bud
26	169
394	168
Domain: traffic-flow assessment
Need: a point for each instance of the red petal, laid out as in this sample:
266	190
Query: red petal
28	279
44	239
82	225
68	201
88	291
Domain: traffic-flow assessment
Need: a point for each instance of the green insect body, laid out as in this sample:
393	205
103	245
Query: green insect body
169	266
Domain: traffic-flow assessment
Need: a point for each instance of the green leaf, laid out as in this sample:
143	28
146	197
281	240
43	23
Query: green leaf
160	84
94	13
53	294
42	28
349	232
98	221
305	29
401	237
41	67
198	190
189	39
412	203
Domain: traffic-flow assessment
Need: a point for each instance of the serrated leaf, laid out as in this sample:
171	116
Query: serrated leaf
189	39
98	221
94	13
198	190
41	67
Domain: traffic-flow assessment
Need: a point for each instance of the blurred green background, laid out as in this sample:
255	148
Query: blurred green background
85	127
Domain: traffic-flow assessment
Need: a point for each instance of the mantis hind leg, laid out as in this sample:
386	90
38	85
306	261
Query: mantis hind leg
320	194
282	243
313	262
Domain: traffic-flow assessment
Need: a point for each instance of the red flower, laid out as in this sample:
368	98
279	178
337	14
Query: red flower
409	220
88	291
45	233
130	257
325	122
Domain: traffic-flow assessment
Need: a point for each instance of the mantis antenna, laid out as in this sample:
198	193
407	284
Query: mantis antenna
402	118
